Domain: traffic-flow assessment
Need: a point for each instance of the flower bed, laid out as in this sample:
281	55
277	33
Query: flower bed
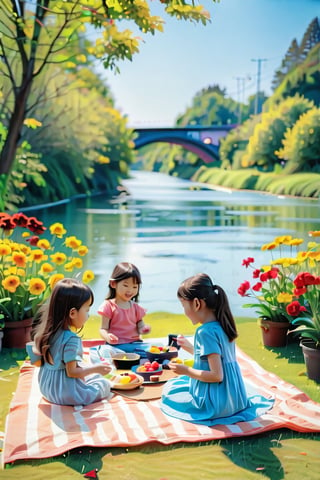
31	263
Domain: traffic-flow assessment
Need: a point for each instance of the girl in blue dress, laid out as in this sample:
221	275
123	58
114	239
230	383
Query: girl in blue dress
64	378
212	391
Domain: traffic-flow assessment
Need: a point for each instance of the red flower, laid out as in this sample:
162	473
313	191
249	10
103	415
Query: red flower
33	240
6	223
270	274
299	291
294	308
257	287
273	273
256	273
20	219
264	277
244	287
35	226
246	262
303	279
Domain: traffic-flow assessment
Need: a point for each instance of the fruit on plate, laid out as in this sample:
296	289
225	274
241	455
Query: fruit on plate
155	349
148	367
127	378
176	360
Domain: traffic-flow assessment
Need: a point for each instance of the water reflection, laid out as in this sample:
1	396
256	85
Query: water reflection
171	229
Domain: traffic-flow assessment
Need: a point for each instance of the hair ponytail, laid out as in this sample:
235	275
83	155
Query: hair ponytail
200	286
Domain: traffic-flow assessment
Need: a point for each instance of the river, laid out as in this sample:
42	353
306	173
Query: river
172	228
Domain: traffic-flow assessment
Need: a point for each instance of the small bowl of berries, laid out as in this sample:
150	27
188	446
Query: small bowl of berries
147	370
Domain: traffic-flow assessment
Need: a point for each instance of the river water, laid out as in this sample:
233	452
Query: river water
172	229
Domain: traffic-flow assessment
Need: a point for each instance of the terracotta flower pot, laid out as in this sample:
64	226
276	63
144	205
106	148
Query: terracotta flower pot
17	334
274	334
311	358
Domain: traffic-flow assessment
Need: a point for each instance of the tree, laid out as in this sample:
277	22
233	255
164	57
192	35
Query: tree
35	34
310	39
290	61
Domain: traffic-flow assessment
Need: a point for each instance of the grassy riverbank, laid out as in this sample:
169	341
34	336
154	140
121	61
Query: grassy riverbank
283	453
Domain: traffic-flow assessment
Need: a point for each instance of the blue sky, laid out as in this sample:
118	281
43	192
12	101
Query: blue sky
172	66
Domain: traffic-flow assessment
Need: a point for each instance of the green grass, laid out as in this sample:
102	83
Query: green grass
274	455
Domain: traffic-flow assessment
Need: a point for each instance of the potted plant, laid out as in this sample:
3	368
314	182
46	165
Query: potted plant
272	289
31	264
307	289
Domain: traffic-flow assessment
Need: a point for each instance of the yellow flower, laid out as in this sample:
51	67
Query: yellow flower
20	259
37	286
269	246
283	239
37	256
44	244
4	249
59	258
15	271
69	267
77	262
83	250
296	241
284	297
54	279
87	276
11	283
46	268
72	242
315	233
57	229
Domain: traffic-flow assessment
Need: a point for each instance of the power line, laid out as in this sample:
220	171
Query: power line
259	61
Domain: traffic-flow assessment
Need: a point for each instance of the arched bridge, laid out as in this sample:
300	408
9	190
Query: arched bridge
201	140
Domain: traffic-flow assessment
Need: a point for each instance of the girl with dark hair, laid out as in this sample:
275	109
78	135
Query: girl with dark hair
63	378
121	316
212	391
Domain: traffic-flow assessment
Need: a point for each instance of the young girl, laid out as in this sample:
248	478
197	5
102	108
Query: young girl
63	378
121	322
212	391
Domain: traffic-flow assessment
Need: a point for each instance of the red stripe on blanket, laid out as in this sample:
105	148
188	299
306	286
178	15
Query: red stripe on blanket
38	429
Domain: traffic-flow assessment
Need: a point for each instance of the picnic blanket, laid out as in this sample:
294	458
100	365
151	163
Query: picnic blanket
37	429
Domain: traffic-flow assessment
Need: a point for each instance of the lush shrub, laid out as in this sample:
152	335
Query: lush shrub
301	145
268	135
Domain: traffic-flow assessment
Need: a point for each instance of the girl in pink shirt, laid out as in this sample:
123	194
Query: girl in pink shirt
121	316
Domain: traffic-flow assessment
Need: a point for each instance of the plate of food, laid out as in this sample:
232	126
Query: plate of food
126	381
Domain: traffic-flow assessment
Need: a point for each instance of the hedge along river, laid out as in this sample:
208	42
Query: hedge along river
172	228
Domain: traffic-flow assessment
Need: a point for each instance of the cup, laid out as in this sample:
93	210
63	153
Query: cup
172	340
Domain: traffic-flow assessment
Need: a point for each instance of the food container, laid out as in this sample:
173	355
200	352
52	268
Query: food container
135	383
162	355
124	361
146	375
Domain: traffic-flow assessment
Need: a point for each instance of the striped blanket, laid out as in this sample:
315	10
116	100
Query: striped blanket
38	429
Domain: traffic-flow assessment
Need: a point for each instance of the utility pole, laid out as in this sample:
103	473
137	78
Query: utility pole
259	60
240	90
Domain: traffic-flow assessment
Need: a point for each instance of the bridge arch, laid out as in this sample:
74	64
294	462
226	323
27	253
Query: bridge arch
202	141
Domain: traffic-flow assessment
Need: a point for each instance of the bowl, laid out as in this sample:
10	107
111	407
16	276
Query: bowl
146	375
161	356
124	361
129	386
